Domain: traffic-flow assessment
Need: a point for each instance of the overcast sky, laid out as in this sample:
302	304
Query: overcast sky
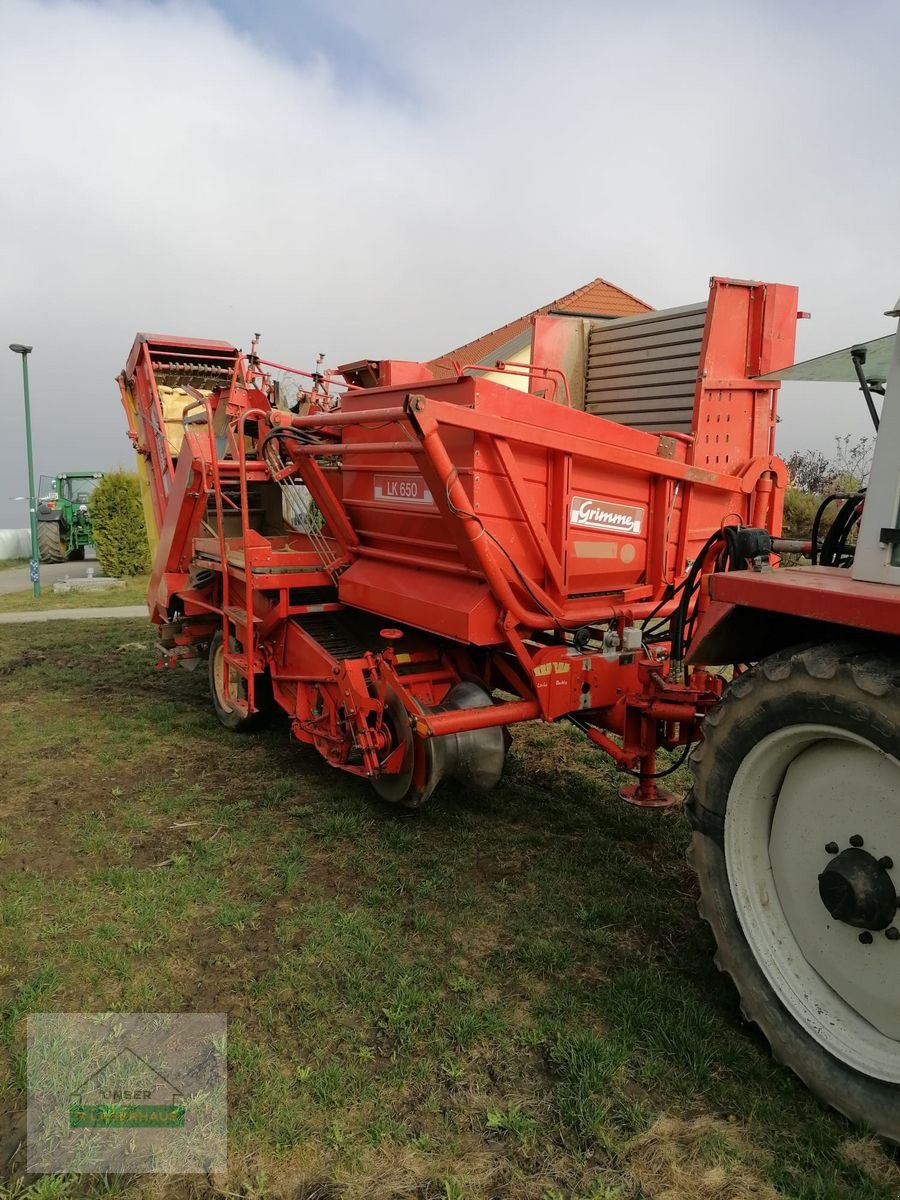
394	178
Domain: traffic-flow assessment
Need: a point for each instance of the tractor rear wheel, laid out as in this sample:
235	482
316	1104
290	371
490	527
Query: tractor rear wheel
796	813
231	715
51	547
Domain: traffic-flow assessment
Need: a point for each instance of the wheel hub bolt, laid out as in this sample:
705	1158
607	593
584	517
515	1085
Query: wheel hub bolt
857	840
832	848
887	862
866	938
892	933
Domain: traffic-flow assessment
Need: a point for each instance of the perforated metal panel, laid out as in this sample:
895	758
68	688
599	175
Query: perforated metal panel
642	371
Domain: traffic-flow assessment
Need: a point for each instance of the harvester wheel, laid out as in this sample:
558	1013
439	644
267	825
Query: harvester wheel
396	788
796	813
473	758
229	715
51	547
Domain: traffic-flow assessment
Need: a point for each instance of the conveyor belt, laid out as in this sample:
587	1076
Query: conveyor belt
330	632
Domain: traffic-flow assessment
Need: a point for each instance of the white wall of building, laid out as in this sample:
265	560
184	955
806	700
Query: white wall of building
519	382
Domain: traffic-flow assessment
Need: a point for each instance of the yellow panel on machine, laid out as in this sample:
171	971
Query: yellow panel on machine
171	370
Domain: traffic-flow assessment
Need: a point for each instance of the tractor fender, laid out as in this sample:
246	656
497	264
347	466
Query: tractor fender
45	513
739	633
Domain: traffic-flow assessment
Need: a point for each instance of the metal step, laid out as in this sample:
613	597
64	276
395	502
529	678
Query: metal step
239	616
238	661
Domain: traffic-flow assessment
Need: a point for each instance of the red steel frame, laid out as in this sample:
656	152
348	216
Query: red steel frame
487	524
746	615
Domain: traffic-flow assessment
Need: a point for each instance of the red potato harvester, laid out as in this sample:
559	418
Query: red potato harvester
407	565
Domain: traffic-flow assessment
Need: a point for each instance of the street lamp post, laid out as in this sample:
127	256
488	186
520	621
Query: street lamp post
35	565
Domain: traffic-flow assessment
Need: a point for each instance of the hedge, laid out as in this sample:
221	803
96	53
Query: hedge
120	532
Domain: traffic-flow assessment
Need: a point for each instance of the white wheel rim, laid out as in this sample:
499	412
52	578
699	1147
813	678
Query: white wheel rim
799	789
219	676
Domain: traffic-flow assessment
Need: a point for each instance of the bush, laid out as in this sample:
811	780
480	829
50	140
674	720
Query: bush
120	532
799	513
812	476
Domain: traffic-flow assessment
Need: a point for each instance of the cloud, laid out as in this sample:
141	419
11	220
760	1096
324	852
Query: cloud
168	168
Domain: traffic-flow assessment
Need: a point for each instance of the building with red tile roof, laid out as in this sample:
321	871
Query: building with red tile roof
597	299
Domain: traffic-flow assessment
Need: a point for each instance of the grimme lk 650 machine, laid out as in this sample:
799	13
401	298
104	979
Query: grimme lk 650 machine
408	565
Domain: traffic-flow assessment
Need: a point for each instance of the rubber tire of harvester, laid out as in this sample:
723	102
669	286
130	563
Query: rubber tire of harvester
77	554
50	547
848	685
264	702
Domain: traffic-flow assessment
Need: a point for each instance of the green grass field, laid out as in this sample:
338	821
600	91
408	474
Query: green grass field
132	591
508	996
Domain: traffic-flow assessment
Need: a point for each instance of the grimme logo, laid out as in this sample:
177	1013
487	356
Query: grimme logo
601	514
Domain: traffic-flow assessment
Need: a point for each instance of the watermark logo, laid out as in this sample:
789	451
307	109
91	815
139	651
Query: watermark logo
103	1102
127	1092
606	516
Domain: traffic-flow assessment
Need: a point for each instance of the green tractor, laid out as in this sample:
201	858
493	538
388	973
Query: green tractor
64	519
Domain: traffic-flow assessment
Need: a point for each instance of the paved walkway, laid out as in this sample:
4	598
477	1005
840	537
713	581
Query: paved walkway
17	579
75	614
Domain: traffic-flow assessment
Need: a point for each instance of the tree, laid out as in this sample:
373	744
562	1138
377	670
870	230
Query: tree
852	462
809	471
120	531
815	473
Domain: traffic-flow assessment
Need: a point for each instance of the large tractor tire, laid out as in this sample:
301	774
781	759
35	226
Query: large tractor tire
51	547
796	813
229	715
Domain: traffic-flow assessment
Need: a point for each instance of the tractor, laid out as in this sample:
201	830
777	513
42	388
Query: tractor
406	565
63	513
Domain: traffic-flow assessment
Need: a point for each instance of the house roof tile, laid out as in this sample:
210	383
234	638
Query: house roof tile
599	298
